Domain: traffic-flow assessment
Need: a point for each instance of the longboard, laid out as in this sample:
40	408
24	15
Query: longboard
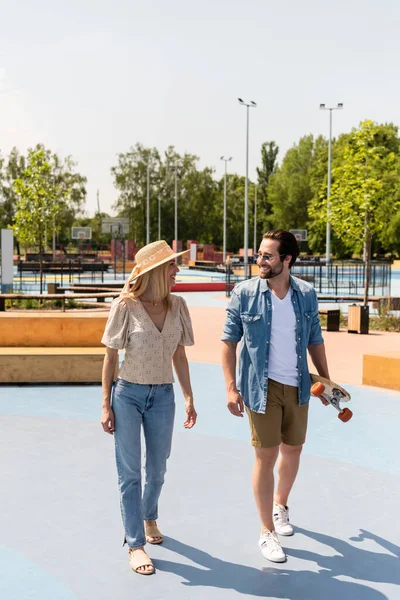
332	393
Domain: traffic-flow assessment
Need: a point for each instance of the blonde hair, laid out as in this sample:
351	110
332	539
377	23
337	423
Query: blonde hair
156	279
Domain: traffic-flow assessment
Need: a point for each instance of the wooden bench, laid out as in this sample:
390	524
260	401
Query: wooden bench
52	329
333	318
51	365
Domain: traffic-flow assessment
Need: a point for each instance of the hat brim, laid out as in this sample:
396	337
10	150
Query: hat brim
161	262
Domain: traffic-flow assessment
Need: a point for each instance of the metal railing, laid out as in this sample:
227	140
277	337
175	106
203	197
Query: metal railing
344	278
65	272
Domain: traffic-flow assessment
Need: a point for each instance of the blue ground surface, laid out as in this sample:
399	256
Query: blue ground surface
60	531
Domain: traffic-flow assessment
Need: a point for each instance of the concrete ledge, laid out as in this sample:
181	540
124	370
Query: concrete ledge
24	330
382	370
51	365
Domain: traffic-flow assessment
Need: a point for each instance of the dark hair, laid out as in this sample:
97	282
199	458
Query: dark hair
288	245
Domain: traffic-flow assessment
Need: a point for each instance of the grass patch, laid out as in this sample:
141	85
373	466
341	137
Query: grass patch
343	321
35	304
385	321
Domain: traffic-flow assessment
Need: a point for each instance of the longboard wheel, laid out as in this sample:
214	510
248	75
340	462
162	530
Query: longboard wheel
345	415
317	389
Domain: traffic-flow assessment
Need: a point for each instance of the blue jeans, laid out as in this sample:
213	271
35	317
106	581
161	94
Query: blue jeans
152	406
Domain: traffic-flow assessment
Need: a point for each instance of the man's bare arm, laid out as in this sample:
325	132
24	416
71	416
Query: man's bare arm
234	400
318	356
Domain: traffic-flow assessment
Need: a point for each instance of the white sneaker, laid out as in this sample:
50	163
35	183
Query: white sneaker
281	520
270	547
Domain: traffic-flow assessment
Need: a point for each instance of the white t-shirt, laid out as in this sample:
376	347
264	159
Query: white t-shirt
282	364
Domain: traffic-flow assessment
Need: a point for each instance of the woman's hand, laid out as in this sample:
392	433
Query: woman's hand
108	420
191	415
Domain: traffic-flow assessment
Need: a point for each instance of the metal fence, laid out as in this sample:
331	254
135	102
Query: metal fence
67	272
344	278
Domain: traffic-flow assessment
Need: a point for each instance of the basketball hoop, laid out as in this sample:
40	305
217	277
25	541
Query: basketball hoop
81	233
301	235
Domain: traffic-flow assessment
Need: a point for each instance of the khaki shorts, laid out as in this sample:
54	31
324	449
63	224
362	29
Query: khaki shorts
284	420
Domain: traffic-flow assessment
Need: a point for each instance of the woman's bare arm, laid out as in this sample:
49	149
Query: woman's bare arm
182	370
107	377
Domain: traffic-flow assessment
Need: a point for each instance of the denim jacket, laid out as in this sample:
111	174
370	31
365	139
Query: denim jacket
249	319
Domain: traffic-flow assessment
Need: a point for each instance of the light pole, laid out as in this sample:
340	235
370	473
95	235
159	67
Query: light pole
159	215
226	160
54	239
246	196
255	221
148	201
175	170
176	211
328	224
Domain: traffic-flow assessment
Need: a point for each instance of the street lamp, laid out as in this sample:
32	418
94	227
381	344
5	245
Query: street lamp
176	210
251	104
255	220
148	200
328	224
175	170
159	216
226	160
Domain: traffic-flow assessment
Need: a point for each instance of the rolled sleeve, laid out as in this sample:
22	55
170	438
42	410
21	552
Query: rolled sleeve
315	330
116	331
233	328
187	337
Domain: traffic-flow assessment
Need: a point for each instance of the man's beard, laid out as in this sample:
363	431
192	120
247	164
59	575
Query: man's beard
271	273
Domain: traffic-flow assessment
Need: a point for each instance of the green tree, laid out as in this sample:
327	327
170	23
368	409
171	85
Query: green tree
269	155
10	170
235	212
130	179
390	237
365	188
197	193
70	183
40	201
290	187
72	186
319	186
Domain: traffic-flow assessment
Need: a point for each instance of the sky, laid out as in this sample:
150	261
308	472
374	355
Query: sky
91	78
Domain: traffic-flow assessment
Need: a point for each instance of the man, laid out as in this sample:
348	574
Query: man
276	317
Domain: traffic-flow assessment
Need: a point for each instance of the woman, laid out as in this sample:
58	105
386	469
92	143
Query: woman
153	327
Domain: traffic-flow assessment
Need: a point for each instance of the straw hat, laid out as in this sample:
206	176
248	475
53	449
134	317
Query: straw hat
151	256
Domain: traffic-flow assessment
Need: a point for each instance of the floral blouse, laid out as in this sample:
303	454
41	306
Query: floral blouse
148	351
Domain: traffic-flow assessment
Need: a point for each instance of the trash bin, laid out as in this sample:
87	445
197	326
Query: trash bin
52	288
358	319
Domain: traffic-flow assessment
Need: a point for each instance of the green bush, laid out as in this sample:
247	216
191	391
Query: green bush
385	321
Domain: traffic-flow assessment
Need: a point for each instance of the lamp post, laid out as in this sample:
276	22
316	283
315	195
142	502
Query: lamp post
159	216
226	160
148	205
255	221
328	224
174	168
176	211
249	105
54	239
148	200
